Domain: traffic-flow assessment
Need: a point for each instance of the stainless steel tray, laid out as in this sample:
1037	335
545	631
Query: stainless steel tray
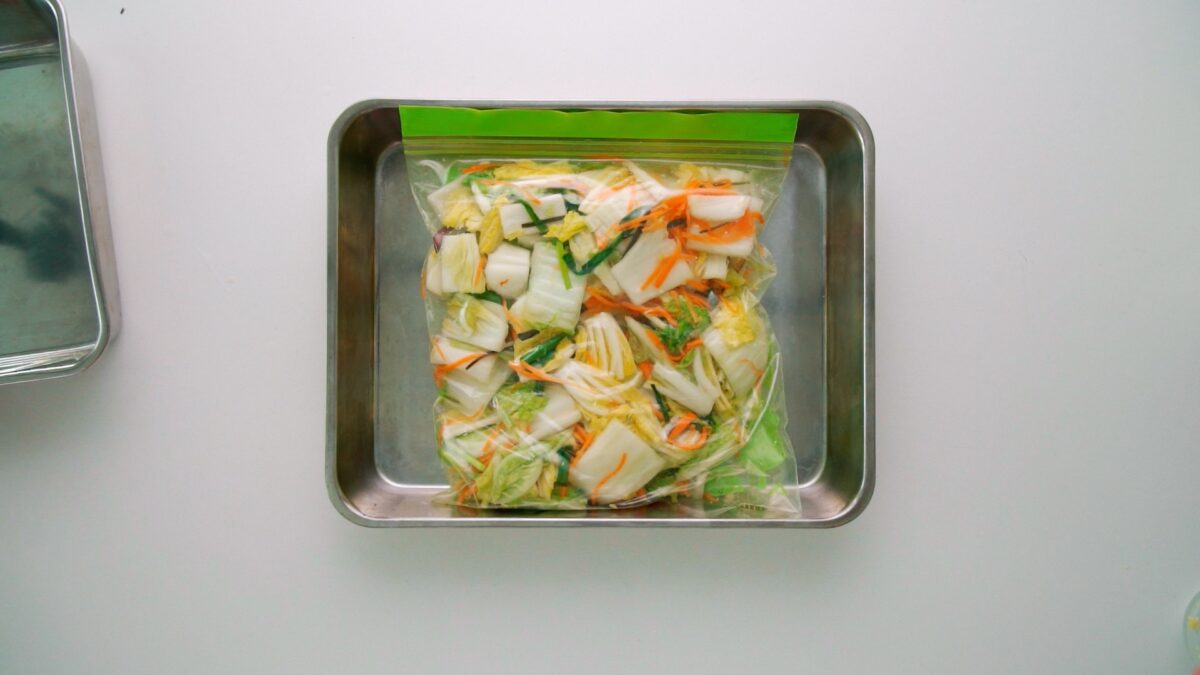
58	294
381	468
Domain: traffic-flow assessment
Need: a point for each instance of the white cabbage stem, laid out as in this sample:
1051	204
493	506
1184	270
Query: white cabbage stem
616	465
602	344
476	322
677	387
717	209
549	303
507	270
641	260
514	216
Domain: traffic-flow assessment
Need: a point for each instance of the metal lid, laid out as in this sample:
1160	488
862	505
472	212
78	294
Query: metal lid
55	316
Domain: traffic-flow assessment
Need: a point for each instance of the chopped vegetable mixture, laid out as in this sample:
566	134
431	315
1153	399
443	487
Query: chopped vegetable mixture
597	338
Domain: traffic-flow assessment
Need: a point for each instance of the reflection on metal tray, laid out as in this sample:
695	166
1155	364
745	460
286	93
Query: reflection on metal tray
57	290
381	468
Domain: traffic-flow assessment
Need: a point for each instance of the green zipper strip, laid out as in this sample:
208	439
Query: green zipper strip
725	125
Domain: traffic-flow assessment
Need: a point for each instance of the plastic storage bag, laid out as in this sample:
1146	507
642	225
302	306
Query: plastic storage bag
595	327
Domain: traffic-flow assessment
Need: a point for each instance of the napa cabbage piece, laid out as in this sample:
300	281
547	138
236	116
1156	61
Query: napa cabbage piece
697	396
597	392
518	403
616	465
571	225
549	302
471	395
550	410
742	365
524	168
465	452
455	206
688	173
653	189
513	217
601	343
432	272
737	320
508	477
476	322
717	209
735	248
642	259
647	340
507	270
511	478
714	266
605	211
560	414
461	264
456	423
491	232
461	356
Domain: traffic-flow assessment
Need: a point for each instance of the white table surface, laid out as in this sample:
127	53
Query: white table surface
1037	509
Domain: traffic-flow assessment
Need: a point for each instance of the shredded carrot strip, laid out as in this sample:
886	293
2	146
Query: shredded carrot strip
478	272
663	269
689	346
597	300
464	418
708	497
486	452
647	368
700	285
658	343
562	491
620	465
582	437
699	443
660	313
475	168
758	372
720	187
640	493
694	300
532	372
439	373
723	234
529	196
466	492
681	426
579	453
512	321
437	347
664	213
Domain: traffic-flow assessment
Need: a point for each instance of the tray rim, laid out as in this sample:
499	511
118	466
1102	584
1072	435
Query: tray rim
854	507
93	205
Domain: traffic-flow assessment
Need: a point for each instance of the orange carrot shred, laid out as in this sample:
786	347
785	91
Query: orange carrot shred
620	465
699	443
647	368
478	271
579	453
486	452
439	373
681	426
475	168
